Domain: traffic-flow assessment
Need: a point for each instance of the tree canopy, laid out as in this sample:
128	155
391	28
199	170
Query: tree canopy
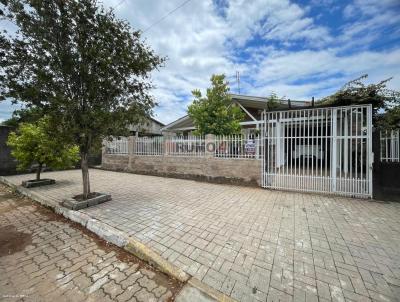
36	143
30	115
86	69
215	113
356	92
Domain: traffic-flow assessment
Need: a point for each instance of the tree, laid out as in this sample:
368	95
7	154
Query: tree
390	119
356	92
36	143
272	101
27	115
89	71
215	113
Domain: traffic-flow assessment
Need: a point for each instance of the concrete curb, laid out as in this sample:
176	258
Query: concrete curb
129	244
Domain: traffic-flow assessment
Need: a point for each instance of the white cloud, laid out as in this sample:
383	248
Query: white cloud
200	40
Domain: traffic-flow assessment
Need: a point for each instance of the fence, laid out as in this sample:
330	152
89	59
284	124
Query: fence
234	146
390	145
118	145
237	146
327	150
185	146
149	146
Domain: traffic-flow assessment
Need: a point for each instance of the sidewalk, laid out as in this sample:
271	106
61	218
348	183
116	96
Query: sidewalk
44	257
249	243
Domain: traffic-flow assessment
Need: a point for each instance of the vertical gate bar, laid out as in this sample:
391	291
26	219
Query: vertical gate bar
312	147
286	133
295	148
308	142
340	137
272	153
333	148
303	165
369	125
304	171
321	144
283	172
318	142
298	143
276	151
356	154
263	154
291	148
269	146
326	146
362	149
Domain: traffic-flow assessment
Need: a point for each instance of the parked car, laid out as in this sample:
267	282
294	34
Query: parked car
314	152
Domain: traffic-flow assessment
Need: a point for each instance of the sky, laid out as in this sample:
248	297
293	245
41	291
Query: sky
296	49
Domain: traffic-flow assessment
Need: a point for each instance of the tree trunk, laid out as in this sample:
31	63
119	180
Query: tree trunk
39	169
85	175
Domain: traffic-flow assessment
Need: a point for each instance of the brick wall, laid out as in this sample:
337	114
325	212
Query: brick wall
237	171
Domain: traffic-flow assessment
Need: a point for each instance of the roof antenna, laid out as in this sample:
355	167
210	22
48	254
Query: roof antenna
238	81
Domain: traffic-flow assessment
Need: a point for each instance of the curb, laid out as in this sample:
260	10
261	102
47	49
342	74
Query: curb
129	244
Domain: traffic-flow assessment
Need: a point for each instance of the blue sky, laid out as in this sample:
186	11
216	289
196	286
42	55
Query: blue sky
297	49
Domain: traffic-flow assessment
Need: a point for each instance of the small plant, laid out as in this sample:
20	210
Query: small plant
34	144
272	101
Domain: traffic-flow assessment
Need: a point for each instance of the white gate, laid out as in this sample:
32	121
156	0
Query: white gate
327	150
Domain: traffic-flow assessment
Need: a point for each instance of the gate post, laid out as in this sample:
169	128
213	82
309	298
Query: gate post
209	145
131	150
376	165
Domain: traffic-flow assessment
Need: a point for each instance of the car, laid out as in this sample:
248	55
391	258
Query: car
314	152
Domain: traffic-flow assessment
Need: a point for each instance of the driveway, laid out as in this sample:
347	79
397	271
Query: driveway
250	243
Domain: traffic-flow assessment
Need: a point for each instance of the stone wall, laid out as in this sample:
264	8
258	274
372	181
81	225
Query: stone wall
207	168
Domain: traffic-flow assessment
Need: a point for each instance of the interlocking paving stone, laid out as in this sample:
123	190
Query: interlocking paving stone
250	243
60	262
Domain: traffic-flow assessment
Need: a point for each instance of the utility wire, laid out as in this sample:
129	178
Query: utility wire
118	4
166	15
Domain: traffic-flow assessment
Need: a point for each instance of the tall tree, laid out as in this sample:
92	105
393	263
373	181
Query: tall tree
89	71
215	113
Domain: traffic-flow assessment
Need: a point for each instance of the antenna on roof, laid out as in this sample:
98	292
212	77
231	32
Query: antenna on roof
238	81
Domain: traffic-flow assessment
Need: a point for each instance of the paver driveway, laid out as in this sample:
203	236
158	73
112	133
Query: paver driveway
254	244
44	258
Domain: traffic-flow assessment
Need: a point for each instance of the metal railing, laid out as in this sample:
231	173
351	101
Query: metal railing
390	145
185	146
118	145
149	145
327	150
234	146
237	146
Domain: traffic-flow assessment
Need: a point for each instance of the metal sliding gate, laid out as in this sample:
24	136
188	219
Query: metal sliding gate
327	150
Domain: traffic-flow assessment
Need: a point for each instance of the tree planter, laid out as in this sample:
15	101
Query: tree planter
76	203
37	183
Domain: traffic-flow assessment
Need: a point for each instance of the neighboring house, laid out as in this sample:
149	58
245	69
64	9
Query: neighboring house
151	127
252	106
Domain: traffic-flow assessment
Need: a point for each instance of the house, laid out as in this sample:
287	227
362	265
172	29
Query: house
252	106
151	127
